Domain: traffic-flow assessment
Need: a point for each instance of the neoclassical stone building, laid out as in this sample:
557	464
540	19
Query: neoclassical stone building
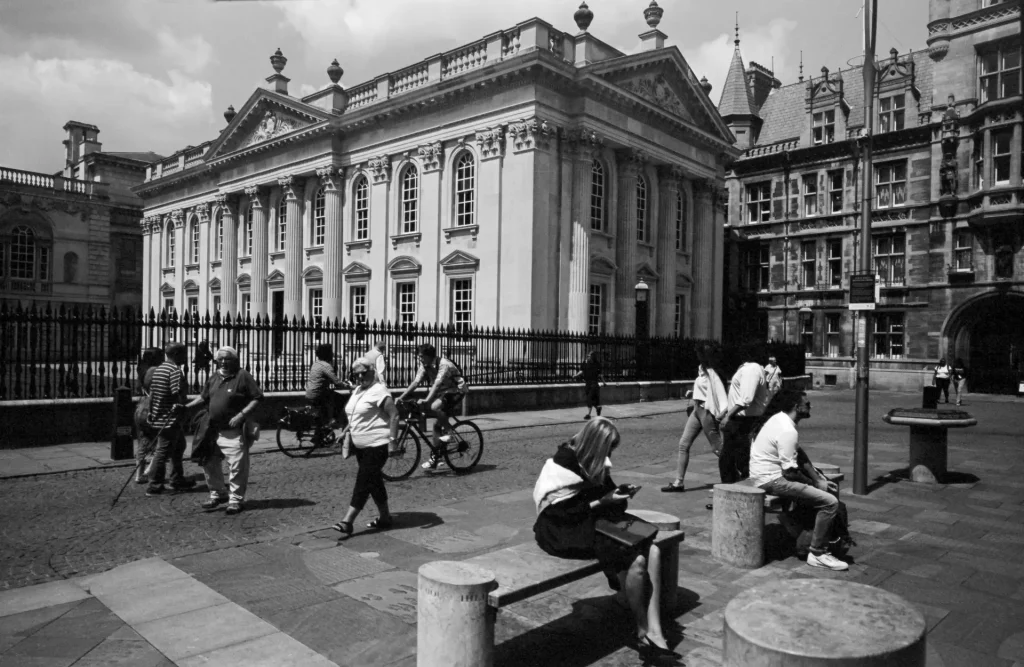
527	179
946	225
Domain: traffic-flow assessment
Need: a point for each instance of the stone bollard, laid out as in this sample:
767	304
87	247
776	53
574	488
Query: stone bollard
928	454
455	627
821	622
669	555
737	525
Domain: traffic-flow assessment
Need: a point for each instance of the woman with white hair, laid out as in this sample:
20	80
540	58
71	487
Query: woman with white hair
373	427
573	491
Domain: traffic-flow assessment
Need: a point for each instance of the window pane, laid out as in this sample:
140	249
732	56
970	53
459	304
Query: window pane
1011	58
989	62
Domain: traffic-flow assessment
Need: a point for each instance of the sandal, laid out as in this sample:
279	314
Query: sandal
380	523
343	527
673	488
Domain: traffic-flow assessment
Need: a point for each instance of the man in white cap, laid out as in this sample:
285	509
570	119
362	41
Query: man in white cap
231	396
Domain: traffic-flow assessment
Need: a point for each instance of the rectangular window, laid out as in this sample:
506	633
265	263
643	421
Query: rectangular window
808	264
824	123
595	310
677	321
759	202
833	334
835	262
216	303
889	258
890	185
319	218
316	306
248	232
641	209
1001	156
169	305
810	194
410	200
357	304
999	73
888	335
194	247
362	209
192	306
963	259
891	113
461	303
764	266
246	308
979	166
680	221
282	223
170	247
835	191
44	263
807	333
219	253
405	302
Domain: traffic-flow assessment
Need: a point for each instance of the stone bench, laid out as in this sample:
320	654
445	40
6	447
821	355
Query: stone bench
458	600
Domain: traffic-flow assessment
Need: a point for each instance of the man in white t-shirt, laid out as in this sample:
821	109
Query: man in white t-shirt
774	468
748	397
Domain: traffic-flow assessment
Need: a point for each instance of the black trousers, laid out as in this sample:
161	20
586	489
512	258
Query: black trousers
369	478
734	463
943	385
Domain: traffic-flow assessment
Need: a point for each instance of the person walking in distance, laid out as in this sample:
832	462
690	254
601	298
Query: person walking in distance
373	427
774	468
773	377
376	355
231	396
959	379
942	374
709	405
166	412
748	396
591	375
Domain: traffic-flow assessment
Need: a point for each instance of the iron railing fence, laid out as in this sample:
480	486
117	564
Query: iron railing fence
72	353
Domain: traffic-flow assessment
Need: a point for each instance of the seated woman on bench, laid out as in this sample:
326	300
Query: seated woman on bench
574	489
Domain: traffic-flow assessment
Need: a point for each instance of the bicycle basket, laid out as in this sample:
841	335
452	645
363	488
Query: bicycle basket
299	419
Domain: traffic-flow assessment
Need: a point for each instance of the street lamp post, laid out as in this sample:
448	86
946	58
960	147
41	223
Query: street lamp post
642	330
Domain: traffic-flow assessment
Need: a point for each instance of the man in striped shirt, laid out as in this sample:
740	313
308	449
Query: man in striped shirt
169	392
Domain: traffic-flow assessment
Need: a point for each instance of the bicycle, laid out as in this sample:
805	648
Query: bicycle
462	445
300	432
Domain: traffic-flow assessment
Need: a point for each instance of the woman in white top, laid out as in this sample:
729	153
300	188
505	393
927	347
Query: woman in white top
942	373
710	403
373	427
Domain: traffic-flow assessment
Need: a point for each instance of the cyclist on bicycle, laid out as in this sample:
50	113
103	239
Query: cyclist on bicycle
320	384
447	389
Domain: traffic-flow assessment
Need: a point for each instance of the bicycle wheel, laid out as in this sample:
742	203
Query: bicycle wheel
295	443
466	446
401	466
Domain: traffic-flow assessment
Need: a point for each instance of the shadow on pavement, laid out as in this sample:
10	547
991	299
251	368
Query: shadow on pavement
421	520
902	475
277	503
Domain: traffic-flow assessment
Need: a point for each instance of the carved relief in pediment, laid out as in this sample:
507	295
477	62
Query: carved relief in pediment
657	90
272	124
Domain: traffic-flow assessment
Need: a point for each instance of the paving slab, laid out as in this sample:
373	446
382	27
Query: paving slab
161	600
267	651
50	594
393	592
140	573
26	623
204	630
333	566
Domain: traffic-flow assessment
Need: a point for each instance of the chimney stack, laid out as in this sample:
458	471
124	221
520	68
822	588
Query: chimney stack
81	141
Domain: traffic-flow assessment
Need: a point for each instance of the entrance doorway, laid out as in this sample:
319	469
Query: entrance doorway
277	321
989	336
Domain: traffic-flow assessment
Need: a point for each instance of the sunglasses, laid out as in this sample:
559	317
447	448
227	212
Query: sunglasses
355	373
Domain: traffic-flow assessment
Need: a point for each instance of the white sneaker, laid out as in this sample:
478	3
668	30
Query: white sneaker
827	561
446	439
433	463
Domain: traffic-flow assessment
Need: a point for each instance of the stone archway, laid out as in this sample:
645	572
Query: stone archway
987	332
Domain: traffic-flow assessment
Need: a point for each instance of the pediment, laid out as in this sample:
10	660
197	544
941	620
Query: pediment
190	286
275	277
647	272
166	288
460	260
215	285
404	264
663	79
243	279
356	271
266	116
313	273
602	265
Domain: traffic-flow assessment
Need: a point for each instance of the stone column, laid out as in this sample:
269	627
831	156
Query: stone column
229	257
260	258
582	151
147	269
178	220
292	189
629	165
205	254
379	296
703	259
737	525
156	263
668	198
331	179
455	627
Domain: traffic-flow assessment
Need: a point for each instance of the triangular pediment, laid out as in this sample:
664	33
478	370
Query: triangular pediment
265	117
663	79
460	260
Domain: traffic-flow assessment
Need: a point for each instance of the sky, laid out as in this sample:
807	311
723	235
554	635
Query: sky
157	75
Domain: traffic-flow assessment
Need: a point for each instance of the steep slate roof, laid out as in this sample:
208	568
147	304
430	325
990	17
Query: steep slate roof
784	112
736	99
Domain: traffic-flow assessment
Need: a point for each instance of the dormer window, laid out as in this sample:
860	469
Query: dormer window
891	113
824	123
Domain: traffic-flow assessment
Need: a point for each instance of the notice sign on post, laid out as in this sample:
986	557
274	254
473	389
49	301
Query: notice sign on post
862	292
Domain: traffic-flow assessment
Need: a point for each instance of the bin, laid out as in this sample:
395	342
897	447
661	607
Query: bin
122	442
930	398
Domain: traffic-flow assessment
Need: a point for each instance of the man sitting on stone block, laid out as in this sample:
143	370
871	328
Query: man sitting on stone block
774	467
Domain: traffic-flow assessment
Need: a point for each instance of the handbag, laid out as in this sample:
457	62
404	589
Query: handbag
628	531
346	443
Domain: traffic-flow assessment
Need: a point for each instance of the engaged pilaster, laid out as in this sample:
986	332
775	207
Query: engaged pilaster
582	148
258	269
669	199
629	163
292	191
703	258
226	206
330	180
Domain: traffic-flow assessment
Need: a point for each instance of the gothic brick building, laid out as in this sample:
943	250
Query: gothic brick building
946	231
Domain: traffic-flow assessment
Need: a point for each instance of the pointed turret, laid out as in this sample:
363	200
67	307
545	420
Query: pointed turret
737	102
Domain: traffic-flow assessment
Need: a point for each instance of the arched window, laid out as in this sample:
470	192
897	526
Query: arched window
641	208
362	209
597	196
193	248
680	221
169	257
282	222
248	231
319	217
465	190
218	242
410	200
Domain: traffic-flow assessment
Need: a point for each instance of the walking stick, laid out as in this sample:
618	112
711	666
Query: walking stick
134	470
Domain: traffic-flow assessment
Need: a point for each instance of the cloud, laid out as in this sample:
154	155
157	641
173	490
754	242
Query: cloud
134	110
191	54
